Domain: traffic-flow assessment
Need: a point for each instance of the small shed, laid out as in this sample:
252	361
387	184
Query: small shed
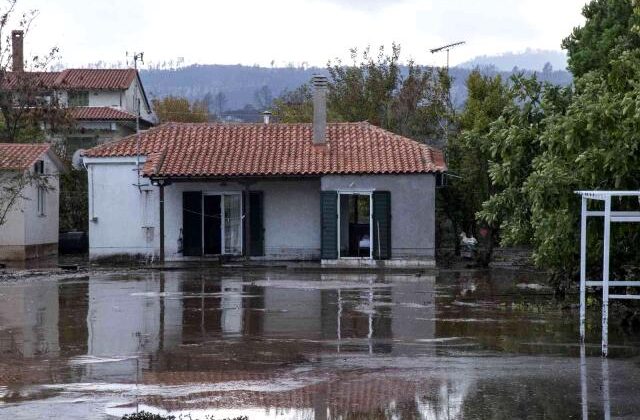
29	201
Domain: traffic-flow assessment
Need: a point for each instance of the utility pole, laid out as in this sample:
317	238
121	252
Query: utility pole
136	103
447	48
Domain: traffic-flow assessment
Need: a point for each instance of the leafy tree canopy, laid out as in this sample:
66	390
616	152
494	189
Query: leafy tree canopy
612	27
175	109
373	88
549	142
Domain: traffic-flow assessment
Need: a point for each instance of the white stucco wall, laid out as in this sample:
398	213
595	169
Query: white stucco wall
128	102
116	209
43	229
106	98
24	225
291	216
125	221
12	231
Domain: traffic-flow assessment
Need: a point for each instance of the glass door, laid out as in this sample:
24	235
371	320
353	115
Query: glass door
232	208
354	225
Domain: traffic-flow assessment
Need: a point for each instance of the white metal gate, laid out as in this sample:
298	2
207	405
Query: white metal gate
610	216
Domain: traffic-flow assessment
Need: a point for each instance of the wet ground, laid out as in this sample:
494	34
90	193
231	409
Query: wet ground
304	345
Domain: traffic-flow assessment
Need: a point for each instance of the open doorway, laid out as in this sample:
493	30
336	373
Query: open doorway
355	233
222	224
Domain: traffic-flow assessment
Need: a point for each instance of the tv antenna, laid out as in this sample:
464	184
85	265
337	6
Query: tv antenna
137	57
447	48
136	100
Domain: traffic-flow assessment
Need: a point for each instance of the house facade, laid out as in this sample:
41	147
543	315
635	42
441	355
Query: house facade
349	193
104	104
30	228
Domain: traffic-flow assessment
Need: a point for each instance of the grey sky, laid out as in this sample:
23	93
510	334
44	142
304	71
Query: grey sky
296	31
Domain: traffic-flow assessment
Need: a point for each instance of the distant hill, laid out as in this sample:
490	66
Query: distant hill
239	83
247	90
529	59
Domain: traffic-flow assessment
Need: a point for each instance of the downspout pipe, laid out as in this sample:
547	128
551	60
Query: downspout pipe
162	222
161	183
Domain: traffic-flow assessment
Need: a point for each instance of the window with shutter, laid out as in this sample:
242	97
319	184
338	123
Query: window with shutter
256	223
329	227
192	223
382	225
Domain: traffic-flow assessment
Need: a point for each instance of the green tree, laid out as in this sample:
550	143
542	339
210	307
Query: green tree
550	142
175	109
470	152
611	28
513	144
412	101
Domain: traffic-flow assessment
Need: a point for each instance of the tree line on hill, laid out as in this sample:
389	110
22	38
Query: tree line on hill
241	93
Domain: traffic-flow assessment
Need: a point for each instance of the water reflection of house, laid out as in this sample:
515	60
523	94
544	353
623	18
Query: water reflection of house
128	320
29	320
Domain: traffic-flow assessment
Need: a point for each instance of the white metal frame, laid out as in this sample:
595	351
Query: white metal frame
222	220
609	217
368	193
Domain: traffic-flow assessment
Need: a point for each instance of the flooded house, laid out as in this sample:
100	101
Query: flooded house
343	193
28	209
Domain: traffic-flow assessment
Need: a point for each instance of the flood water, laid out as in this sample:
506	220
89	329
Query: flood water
304	345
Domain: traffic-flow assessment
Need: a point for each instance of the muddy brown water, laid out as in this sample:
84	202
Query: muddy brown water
303	345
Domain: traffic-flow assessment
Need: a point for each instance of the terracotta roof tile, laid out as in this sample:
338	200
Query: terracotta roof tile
103	113
76	79
42	80
222	150
18	156
95	79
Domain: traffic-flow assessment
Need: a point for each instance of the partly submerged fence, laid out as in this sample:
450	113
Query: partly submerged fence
610	216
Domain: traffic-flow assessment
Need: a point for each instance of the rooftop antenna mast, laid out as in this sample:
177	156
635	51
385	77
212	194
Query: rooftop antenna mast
136	100
447	48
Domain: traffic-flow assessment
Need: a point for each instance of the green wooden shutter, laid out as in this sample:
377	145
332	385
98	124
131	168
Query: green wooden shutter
329	227
192	223
256	223
382	225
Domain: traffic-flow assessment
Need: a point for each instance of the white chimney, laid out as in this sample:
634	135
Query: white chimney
319	109
266	116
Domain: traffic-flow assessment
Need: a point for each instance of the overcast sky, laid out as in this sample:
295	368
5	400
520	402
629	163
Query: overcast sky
296	31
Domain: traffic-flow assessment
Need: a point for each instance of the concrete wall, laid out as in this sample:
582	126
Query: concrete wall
128	102
12	231
291	216
43	228
117	210
124	220
26	230
412	208
106	98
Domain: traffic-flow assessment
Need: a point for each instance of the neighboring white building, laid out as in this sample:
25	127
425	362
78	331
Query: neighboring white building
104	103
31	226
